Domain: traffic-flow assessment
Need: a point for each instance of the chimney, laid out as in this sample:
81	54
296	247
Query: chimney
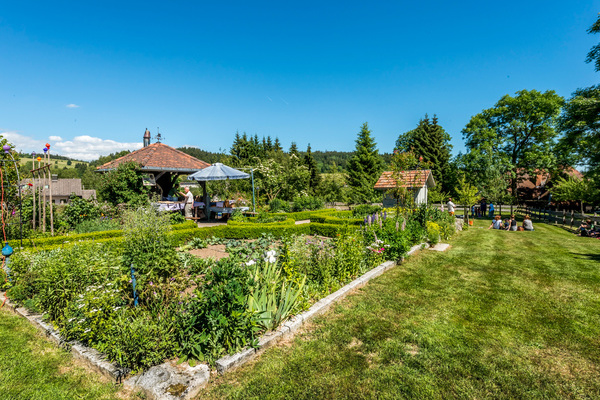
146	138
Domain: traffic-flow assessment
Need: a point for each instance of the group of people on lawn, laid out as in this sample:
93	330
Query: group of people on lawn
509	224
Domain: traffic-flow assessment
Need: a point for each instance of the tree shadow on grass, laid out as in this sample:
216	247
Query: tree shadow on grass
590	256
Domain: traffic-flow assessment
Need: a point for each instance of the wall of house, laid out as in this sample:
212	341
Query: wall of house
420	197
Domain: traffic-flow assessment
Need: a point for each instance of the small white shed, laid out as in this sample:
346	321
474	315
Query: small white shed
417	180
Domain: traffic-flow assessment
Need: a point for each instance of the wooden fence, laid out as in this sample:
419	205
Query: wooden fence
569	219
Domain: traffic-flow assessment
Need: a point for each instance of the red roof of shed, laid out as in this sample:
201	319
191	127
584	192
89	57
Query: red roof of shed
412	178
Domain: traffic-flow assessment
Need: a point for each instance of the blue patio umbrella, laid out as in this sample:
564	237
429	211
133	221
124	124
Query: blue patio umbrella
221	172
218	172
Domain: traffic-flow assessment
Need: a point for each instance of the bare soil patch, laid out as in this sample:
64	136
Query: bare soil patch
215	251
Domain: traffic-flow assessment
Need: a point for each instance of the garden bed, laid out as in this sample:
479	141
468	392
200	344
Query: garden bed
145	302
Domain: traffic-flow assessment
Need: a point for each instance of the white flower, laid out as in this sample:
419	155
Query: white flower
251	262
86	331
270	259
271	253
71	320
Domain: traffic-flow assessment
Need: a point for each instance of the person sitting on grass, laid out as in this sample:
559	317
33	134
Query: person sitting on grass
496	223
527	224
512	223
586	228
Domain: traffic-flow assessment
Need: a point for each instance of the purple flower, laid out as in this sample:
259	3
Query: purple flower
130	281
172	279
151	284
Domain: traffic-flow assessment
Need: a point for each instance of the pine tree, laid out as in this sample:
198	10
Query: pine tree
294	150
364	167
269	146
277	145
430	141
311	164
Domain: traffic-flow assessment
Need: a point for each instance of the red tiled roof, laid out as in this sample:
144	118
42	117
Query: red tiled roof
158	157
412	178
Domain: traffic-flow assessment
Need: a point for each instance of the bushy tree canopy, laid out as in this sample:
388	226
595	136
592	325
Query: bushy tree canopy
516	136
431	142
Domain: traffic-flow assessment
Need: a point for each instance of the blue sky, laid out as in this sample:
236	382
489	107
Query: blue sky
89	77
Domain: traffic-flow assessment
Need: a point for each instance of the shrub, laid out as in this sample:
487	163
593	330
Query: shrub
433	232
302	203
97	225
279	205
217	319
146	244
79	210
363	210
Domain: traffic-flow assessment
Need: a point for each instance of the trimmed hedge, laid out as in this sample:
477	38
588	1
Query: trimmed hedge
101	236
326	219
329	230
182	233
253	221
302	215
247	231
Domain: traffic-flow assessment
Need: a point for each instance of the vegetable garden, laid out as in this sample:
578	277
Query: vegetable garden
138	296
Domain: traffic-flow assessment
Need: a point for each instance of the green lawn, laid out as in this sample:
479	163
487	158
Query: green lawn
33	368
499	315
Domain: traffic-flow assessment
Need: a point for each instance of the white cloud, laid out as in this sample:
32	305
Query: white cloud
90	148
23	143
72	105
85	147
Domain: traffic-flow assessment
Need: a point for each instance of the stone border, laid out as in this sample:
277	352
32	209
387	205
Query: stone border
91	356
169	381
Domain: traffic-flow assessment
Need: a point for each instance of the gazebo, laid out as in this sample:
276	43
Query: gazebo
160	164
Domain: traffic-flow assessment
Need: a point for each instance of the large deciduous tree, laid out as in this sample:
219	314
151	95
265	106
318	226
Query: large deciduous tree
580	124
364	167
430	141
517	135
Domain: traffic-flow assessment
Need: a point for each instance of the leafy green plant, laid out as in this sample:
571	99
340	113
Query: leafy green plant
218	318
433	232
277	204
272	297
147	244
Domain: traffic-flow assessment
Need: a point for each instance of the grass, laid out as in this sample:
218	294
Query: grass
33	368
499	315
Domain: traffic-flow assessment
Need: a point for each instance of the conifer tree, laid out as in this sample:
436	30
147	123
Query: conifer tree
364	167
294	150
311	164
269	145
277	145
430	141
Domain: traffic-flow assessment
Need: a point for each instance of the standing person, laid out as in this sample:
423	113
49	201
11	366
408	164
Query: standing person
492	209
451	206
512	223
189	202
483	206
